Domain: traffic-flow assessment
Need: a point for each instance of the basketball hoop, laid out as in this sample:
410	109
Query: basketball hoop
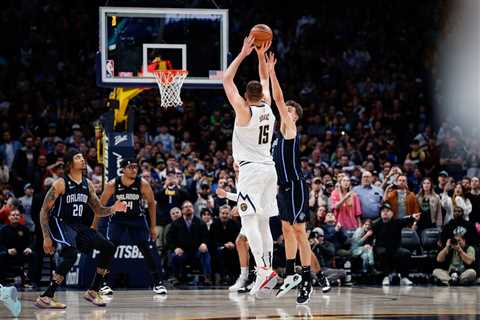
170	83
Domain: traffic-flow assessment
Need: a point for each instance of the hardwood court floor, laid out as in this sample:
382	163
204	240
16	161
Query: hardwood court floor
340	303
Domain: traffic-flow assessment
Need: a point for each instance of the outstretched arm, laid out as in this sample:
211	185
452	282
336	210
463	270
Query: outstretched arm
231	90
263	71
56	190
101	211
106	195
288	128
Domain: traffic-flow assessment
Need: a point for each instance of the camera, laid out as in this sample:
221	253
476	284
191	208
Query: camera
453	242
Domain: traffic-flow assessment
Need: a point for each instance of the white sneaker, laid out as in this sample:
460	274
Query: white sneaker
239	284
160	289
105	290
9	297
406	282
290	282
266	278
386	281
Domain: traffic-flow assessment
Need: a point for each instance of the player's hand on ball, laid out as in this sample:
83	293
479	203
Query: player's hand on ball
48	246
248	45
263	48
119	206
221	193
179	252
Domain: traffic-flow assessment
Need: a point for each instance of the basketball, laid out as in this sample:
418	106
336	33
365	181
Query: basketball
261	33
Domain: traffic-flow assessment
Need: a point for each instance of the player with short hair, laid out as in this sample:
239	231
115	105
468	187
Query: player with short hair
292	193
133	190
61	220
251	144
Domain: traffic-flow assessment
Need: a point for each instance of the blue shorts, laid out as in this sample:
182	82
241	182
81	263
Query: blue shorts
292	202
133	229
77	235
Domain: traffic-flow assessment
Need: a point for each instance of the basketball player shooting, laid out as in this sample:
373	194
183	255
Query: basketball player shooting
65	202
251	143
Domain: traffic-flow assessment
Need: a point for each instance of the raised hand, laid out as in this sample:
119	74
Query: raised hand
271	62
248	45
262	49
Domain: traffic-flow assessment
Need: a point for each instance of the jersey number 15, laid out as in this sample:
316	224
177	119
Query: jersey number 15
263	135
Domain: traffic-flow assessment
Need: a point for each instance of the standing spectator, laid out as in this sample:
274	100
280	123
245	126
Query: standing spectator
442	182
459	256
388	252
457	200
370	197
204	199
474	197
4	172
430	206
346	205
40	172
166	139
402	201
452	158
224	232
26	202
188	238
9	148
15	247
416	154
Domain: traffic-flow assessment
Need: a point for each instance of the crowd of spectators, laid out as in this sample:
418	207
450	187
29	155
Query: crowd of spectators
374	151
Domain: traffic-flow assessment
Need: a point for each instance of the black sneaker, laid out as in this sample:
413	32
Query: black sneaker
305	290
324	283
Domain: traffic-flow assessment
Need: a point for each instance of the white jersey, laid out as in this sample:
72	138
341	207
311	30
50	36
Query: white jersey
252	143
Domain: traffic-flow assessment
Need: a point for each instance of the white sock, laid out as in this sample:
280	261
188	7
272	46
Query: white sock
244	272
267	240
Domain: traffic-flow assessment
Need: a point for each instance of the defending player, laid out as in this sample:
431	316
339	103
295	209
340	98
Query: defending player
251	144
292	193
65	202
132	189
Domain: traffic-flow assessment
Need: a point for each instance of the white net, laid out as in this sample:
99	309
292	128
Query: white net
170	84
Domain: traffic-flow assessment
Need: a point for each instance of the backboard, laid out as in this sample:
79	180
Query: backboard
135	41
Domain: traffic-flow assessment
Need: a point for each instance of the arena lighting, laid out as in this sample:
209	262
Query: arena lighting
458	86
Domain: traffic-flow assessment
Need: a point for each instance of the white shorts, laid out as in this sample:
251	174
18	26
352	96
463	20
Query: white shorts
257	190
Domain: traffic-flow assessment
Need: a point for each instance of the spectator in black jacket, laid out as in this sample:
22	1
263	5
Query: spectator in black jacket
187	238
15	248
171	195
387	250
224	232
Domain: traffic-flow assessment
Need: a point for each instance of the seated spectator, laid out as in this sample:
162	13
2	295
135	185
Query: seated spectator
318	219
474	197
11	205
459	258
402	201
458	199
207	218
224	232
387	250
15	247
459	221
370	197
335	234
317	198
346	205
26	202
204	199
362	242
188	238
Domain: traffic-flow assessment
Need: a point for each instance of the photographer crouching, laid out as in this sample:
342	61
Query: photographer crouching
460	258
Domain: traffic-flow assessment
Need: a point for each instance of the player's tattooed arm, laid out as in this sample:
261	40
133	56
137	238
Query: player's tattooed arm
53	193
104	198
97	207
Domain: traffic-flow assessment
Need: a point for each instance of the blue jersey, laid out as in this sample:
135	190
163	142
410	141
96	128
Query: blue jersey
132	196
71	205
286	155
